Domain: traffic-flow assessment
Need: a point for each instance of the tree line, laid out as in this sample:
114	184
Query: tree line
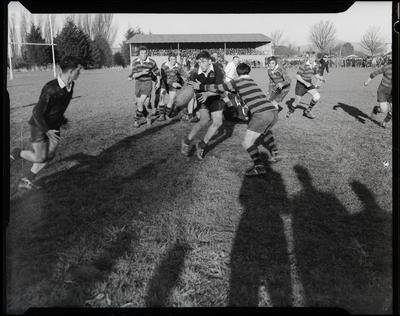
86	36
322	39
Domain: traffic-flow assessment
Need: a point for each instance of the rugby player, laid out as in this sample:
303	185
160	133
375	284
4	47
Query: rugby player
279	82
304	85
47	119
384	93
142	69
323	65
172	74
209	103
262	113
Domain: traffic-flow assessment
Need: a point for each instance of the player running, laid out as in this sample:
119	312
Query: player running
142	69
262	113
304	85
46	120
384	93
172	74
279	82
210	103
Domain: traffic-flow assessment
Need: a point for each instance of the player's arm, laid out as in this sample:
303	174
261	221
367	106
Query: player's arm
374	74
41	107
220	88
286	78
156	72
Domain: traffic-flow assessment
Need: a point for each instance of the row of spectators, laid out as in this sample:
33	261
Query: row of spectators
220	51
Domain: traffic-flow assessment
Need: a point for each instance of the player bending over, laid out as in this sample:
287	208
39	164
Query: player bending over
142	69
384	92
304	85
172	74
279	82
209	103
46	120
262	113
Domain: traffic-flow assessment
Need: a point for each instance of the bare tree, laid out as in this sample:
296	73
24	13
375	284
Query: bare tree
372	41
24	25
322	35
103	26
276	37
87	24
46	27
13	35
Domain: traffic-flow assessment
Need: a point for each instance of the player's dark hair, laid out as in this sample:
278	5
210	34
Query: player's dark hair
235	57
203	54
272	58
143	48
243	69
69	62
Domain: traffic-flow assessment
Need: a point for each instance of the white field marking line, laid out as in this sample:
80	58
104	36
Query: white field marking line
264	298
298	299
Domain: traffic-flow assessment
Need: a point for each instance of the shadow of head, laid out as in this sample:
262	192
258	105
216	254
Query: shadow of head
303	175
365	195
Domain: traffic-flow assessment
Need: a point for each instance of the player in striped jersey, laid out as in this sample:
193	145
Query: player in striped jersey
304	85
172	75
142	69
279	82
384	92
262	113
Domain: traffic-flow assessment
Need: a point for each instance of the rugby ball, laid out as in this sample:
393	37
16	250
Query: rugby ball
183	96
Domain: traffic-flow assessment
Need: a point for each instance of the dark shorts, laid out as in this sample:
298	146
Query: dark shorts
278	95
384	94
301	89
263	121
143	88
211	104
38	136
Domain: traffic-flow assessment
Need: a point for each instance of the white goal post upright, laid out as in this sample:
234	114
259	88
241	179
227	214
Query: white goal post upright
40	44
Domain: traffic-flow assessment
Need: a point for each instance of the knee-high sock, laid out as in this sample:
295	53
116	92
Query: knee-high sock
312	103
268	141
388	117
161	109
254	154
139	115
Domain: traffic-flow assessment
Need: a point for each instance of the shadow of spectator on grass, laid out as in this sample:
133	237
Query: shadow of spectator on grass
259	259
166	276
354	112
342	258
73	228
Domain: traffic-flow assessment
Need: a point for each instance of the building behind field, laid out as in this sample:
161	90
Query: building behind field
251	46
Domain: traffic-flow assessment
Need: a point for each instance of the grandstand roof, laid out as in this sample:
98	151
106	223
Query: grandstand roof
198	38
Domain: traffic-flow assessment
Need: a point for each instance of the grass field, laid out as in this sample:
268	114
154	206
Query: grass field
124	220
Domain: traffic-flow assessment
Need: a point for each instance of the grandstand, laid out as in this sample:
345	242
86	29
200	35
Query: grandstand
254	47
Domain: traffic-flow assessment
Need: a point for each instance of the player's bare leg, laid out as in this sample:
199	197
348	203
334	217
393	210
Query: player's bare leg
161	104
217	118
315	98
197	127
170	104
140	110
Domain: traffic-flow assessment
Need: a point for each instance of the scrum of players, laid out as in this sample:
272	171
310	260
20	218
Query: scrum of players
217	91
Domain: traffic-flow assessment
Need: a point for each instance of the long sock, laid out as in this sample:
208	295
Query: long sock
139	115
388	117
268	141
312	103
168	111
161	109
254	154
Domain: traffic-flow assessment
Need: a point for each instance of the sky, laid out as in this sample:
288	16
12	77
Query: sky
350	25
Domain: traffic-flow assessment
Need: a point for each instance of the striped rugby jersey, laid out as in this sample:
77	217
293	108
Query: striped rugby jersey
307	71
251	94
387	75
171	74
138	66
277	75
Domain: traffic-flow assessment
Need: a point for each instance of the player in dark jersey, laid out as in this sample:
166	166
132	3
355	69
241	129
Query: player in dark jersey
262	113
384	93
279	82
304	85
210	104
47	119
322	66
